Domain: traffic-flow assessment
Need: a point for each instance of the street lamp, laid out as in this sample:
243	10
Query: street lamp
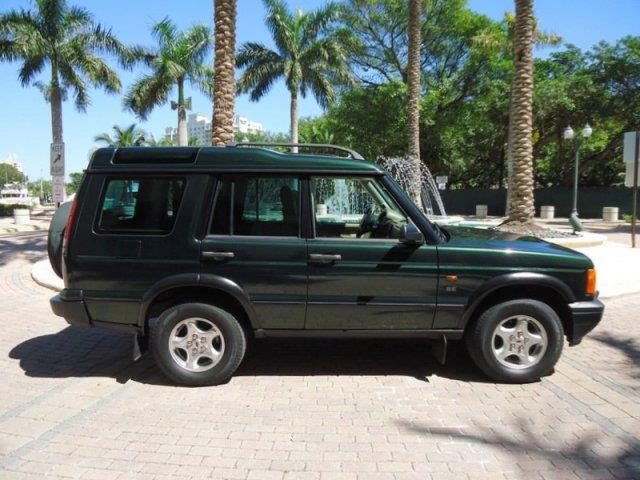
569	134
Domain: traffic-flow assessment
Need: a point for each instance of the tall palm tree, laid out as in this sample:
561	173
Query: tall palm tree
308	56
520	207
224	86
131	136
69	42
413	85
176	60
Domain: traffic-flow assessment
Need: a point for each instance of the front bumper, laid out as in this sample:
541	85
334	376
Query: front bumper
584	317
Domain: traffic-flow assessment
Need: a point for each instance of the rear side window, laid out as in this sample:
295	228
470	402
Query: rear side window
145	205
257	206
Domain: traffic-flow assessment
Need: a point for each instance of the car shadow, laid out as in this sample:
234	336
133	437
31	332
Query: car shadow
82	352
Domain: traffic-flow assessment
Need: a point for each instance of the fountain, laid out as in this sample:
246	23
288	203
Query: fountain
400	170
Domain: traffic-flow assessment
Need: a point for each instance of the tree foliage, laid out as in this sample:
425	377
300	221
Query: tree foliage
467	69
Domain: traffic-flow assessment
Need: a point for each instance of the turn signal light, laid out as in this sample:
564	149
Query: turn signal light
591	282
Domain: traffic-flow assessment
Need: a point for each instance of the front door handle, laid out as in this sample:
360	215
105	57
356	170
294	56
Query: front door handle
324	258
217	256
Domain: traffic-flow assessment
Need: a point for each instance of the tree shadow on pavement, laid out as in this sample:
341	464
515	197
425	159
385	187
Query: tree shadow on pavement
83	352
629	346
29	247
526	445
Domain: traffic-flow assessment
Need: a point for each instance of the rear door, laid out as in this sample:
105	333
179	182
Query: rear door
133	231
360	275
255	240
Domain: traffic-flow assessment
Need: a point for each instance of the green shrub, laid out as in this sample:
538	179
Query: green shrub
7	210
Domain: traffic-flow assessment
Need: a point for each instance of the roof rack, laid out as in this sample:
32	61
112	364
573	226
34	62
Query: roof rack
352	153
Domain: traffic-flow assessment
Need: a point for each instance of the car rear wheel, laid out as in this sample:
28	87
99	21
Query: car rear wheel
198	344
517	341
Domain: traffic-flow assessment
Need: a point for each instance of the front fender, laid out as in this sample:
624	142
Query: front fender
524	279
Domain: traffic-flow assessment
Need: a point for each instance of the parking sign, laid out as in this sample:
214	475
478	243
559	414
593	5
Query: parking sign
57	159
58	188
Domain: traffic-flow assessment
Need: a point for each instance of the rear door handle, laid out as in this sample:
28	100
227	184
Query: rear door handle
324	258
217	256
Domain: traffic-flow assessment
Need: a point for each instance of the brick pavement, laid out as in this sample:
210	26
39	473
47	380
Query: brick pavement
73	405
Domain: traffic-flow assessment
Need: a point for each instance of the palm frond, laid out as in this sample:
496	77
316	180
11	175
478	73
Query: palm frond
262	68
318	20
280	23
146	93
164	32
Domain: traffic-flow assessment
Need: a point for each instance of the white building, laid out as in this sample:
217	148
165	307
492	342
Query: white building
199	128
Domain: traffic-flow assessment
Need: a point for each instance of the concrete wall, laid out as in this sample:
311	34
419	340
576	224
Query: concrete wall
591	200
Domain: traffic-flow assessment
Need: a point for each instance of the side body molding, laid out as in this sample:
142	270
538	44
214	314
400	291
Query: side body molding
524	279
214	282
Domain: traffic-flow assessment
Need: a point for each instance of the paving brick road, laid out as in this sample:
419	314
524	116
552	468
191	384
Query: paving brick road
73	405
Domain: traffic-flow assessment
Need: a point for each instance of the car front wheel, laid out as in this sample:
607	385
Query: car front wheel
517	341
198	344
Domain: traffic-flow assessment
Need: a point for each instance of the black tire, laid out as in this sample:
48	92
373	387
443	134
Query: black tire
54	237
235	344
480	340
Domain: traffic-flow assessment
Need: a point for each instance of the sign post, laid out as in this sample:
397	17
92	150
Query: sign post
631	156
57	171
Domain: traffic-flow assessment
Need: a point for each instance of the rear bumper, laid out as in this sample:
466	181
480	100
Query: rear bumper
584	317
70	305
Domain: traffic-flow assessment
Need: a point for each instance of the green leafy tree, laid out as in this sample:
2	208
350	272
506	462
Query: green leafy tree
130	136
178	59
309	56
65	42
9	173
74	184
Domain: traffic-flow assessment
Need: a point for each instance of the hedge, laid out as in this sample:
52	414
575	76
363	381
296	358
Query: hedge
7	210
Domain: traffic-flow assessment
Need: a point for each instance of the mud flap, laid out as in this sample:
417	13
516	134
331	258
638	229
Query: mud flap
439	350
139	346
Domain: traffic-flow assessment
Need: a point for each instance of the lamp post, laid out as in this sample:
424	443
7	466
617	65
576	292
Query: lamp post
569	134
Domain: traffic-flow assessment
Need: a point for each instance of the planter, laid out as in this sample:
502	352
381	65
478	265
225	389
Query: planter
547	212
321	210
610	214
482	211
21	216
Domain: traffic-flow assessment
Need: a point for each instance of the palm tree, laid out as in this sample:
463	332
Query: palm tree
66	40
413	85
307	56
177	59
224	87
520	207
130	136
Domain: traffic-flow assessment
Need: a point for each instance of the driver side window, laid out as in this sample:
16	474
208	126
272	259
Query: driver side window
355	207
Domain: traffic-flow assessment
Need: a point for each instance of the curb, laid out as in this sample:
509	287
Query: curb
43	275
24	229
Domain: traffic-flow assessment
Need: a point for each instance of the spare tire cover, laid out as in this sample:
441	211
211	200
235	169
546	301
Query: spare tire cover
56	233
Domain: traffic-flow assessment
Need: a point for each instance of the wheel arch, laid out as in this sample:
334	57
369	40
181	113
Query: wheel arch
195	288
534	286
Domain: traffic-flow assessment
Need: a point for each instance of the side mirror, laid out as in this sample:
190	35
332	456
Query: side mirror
410	235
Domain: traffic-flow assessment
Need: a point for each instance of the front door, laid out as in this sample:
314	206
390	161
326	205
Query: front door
360	275
255	241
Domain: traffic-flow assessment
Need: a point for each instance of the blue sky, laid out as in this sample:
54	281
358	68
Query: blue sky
25	118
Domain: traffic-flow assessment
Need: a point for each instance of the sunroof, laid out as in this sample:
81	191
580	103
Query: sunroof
156	157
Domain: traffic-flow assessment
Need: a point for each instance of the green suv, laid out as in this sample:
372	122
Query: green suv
196	251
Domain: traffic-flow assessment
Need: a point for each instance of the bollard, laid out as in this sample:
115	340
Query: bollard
21	216
482	211
610	214
547	212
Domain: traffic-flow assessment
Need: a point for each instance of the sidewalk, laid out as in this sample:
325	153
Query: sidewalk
40	219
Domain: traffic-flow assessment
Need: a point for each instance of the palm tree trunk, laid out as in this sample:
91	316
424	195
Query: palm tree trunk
224	87
183	141
294	119
521	206
413	85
